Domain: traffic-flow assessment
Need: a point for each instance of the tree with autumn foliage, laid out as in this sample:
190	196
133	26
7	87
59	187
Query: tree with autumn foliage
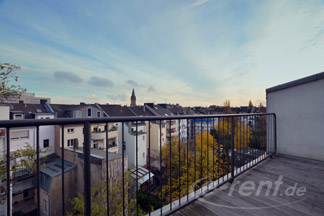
99	200
223	133
191	168
8	78
227	107
250	104
258	138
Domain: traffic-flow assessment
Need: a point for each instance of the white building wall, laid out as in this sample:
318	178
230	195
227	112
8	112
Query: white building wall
76	134
300	119
130	142
46	132
4	112
20	143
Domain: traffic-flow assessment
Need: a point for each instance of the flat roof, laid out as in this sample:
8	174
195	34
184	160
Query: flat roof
100	153
301	81
54	168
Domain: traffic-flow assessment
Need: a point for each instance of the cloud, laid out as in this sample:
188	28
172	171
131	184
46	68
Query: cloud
63	75
151	89
196	4
214	51
117	97
100	81
95	99
132	83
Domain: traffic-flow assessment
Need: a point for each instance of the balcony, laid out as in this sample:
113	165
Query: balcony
226	147
189	177
98	135
304	199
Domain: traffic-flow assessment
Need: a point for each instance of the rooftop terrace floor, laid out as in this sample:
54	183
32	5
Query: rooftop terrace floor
299	172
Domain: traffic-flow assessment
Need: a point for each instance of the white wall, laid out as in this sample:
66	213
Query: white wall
4	112
300	119
46	132
16	144
130	141
76	134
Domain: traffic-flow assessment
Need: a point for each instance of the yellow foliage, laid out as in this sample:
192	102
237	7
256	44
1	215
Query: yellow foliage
191	170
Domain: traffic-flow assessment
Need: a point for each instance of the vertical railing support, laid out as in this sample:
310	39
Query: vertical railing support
38	171
8	173
275	133
232	150
87	173
63	203
107	168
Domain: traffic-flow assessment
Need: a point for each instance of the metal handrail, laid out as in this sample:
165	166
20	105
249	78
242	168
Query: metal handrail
67	121
8	124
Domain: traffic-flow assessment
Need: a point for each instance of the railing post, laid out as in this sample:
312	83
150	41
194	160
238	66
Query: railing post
9	210
232	150
86	175
275	133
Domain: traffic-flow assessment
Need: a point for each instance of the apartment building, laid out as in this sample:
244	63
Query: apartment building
156	132
182	123
171	125
28	98
22	189
127	130
73	134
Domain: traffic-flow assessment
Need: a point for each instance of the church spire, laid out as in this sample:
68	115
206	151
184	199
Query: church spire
133	99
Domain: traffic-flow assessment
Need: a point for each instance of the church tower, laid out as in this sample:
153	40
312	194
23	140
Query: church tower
133	99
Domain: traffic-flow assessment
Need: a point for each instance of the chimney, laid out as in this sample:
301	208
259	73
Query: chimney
21	101
82	103
149	104
164	105
43	101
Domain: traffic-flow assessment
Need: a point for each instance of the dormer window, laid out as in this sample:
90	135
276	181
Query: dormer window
79	114
89	112
98	114
19	116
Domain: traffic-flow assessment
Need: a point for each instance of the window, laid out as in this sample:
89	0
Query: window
72	142
26	194
78	114
15	135
98	114
45	206
46	143
95	145
70	130
18	116
143	154
89	112
143	137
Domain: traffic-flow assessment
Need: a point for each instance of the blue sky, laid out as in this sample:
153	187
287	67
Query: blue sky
192	52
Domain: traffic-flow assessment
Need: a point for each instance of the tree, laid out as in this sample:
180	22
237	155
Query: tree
21	159
99	200
258	138
227	107
223	133
250	104
203	153
7	78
